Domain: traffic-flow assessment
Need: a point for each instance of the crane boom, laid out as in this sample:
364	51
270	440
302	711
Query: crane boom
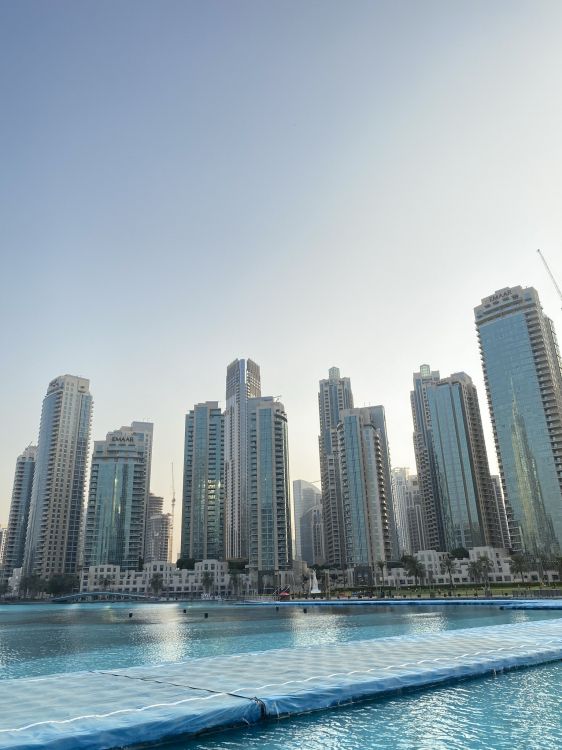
550	274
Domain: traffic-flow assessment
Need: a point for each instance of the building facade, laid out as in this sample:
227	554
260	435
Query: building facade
523	377
334	396
464	495
311	528
269	496
408	511
243	381
203	483
158	537
305	496
366	487
14	544
57	498
117	499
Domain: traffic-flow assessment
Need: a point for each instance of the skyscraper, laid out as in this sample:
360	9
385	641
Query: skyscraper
158	531
203	483
334	396
501	510
242	382
523	377
366	487
312	535
464	496
14	545
57	498
408	511
117	499
305	496
423	450
269	499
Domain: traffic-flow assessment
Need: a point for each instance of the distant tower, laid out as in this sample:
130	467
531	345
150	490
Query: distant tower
523	377
57	499
117	499
269	494
334	396
14	545
203	483
158	547
242	382
365	488
305	496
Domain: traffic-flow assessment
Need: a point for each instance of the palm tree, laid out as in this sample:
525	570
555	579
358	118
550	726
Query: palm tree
207	581
414	568
380	565
475	570
486	566
518	566
157	583
449	566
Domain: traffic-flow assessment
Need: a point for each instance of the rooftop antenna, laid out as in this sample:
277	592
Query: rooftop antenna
551	275
173	512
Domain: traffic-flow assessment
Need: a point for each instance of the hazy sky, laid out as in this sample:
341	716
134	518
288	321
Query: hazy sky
305	183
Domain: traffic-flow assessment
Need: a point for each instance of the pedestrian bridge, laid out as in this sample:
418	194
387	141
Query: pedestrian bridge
102	596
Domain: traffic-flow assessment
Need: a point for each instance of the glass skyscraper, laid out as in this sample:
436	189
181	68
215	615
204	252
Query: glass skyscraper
334	396
465	498
202	534
14	545
116	516
57	499
523	378
305	496
242	382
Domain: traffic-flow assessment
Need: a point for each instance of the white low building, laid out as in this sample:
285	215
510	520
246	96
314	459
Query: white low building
209	578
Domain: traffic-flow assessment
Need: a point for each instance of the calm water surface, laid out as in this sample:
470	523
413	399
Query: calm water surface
516	710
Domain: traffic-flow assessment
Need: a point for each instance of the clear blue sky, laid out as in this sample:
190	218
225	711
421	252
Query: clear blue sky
305	183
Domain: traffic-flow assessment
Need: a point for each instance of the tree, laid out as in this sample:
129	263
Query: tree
4	588
157	583
475	571
32	585
185	563
207	581
486	566
459	553
557	563
413	567
449	566
60	584
519	566
381	565
106	582
235	581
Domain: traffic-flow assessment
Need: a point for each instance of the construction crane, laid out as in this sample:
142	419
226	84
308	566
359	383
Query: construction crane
551	275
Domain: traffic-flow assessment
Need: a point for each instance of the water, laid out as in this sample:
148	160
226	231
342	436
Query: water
518	710
515	710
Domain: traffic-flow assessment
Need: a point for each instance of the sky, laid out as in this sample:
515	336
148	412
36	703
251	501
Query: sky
309	184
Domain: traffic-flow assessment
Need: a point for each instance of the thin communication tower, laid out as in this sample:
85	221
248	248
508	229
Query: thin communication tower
173	513
551	275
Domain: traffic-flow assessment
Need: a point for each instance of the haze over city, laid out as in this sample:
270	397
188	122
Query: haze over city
306	185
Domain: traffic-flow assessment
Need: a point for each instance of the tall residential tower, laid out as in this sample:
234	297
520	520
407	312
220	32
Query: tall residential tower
57	498
14	545
523	378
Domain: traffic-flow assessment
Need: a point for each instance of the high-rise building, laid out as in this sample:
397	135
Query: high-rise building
3	535
312	535
423	450
305	496
117	500
269	499
523	377
464	496
57	498
202	535
501	510
408	511
242	383
366	486
334	396
14	545
158	531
